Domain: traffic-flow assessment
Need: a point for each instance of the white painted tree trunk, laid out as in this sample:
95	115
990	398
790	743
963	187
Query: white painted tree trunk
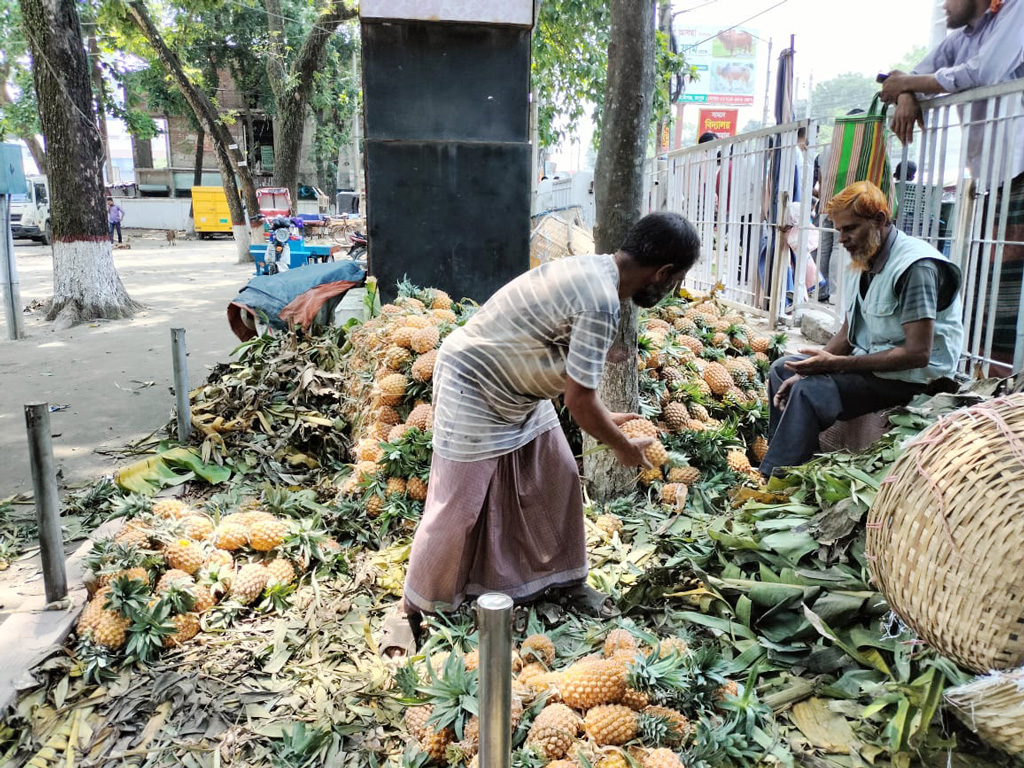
86	284
241	233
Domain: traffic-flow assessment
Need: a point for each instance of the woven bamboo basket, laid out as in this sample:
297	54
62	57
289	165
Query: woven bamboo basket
945	537
993	707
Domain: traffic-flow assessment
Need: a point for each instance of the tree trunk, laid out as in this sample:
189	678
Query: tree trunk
197	167
211	121
618	189
292	90
85	282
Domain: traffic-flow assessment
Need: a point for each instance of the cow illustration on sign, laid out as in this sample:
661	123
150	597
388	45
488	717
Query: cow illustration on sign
736	42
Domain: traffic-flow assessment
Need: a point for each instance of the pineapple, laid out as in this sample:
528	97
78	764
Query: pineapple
425	339
172	509
471	660
184	555
203	599
435	743
416	321
109	629
415	719
614	758
760	447
760	344
395	357
365	470
280	571
635	700
685	474
674	726
421	417
611	724
267	534
249	583
593	682
619	640
652	475
730	688
416	489
691	343
738	461
674	495
670	645
423	368
441	301
444	315
135	533
392	388
198	527
539	647
391	309
675	416
662	758
401	336
388	415
374	505
636	428
369	450
92	611
230	536
693	425
656	454
554	731
395	487
609	525
186	626
739	372
717	378
173	577
219	558
397	432
138	573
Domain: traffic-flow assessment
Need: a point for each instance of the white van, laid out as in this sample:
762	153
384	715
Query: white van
30	213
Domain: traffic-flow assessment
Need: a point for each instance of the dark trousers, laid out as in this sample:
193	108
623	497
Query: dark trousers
115	225
817	402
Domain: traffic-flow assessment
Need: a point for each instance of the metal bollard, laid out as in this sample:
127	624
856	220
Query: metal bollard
44	485
494	617
183	409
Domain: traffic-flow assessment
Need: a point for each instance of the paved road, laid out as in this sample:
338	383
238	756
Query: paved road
102	371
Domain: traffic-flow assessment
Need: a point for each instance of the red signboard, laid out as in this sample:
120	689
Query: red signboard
721	122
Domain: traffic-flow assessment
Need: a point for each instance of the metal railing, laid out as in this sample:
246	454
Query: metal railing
969	155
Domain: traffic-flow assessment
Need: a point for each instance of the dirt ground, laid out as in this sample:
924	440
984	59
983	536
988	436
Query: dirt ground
114	377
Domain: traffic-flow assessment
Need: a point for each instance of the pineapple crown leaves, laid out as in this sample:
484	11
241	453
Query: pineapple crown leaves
96	664
300	746
147	632
128	597
409	454
528	757
657	730
660	677
100	554
276	598
177	599
453	692
407	680
132	505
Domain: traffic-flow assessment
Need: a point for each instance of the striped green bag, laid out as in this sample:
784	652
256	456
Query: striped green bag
858	153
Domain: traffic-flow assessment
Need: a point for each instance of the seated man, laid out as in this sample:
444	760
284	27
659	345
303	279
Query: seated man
902	332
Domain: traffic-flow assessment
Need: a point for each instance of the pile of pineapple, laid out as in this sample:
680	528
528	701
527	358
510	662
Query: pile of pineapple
171	566
700	363
617	708
390	367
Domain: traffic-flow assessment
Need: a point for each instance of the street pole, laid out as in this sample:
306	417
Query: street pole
9	275
494	618
44	486
767	85
184	410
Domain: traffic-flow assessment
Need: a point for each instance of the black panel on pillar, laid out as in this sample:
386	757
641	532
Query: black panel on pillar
447	154
457	215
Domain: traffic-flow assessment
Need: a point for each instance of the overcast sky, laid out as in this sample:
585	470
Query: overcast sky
831	38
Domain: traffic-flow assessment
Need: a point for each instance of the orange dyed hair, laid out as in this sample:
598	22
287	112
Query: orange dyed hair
863	199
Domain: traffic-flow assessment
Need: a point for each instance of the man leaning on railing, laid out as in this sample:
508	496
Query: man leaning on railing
985	48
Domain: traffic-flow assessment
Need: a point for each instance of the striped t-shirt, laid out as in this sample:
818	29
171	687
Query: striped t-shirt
496	376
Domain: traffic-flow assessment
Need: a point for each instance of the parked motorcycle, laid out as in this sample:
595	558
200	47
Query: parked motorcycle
357	251
278	255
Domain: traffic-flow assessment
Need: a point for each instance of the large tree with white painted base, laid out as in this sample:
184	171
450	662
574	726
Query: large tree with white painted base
85	282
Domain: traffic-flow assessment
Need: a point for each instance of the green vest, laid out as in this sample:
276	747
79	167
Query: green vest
876	327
